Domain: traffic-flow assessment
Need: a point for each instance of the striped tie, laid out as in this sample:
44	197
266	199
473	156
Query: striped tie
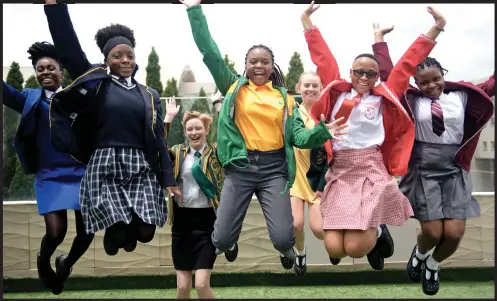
437	118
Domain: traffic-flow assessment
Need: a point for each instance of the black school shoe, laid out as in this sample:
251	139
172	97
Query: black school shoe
231	255
46	275
414	272
432	285
384	243
335	261
300	265
375	260
62	274
286	262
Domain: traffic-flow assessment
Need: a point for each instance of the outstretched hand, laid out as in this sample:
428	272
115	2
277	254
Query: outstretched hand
334	127
381	31
311	9
439	18
175	192
189	3
171	110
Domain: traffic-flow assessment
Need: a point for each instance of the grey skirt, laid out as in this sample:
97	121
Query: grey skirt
436	186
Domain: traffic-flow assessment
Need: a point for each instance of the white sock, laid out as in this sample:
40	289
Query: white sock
415	260
232	248
379	231
432	264
300	253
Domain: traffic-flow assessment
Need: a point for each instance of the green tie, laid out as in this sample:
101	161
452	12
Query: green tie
205	185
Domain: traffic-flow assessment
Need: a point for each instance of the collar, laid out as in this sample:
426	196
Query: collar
353	93
49	93
268	85
128	79
192	151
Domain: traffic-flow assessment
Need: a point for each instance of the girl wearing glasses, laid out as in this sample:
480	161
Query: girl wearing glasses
449	117
360	195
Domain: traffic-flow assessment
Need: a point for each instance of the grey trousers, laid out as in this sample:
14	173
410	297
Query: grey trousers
266	176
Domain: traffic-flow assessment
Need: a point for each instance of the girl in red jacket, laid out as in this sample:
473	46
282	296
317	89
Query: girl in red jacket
448	117
361	195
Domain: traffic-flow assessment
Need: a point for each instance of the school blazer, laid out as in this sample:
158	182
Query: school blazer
399	128
479	108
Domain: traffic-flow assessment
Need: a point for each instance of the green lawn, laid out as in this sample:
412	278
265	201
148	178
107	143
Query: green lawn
456	284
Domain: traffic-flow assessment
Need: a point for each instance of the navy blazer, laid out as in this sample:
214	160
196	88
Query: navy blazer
73	110
24	103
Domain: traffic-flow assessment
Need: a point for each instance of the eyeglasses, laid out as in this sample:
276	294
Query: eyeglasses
369	74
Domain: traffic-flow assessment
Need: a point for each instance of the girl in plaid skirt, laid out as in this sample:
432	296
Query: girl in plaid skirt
117	128
361	195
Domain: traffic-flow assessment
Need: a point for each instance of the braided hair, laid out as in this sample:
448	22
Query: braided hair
41	50
276	76
431	62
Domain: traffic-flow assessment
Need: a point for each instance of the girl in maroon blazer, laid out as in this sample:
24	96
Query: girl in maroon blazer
361	196
448	117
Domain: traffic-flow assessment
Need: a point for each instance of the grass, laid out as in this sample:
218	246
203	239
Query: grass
475	283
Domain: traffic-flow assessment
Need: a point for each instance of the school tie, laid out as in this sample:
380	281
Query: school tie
123	81
437	118
347	106
203	182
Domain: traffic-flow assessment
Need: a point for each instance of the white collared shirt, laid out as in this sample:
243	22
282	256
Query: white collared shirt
365	122
193	197
49	93
453	107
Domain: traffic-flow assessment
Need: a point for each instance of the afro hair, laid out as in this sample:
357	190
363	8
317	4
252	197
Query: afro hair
105	34
40	50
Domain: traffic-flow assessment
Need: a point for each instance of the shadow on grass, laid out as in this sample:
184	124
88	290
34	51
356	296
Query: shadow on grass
76	283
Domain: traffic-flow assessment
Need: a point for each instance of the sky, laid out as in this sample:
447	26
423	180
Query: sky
466	48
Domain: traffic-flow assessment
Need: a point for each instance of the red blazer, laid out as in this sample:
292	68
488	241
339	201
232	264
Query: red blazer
479	108
399	128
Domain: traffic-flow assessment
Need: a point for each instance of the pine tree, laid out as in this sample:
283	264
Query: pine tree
230	63
153	72
10	123
66	80
201	105
176	135
294	71
32	83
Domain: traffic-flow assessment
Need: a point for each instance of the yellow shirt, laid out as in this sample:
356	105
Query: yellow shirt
259	116
301	188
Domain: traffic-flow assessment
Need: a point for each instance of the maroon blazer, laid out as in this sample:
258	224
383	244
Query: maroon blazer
479	108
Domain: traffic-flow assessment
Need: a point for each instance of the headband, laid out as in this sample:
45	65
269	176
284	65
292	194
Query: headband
113	42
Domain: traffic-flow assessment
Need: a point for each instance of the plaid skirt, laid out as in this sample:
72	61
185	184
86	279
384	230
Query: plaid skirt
361	194
117	182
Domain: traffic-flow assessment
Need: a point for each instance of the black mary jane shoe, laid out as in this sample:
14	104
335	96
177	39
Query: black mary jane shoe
300	265
46	275
375	260
432	285
231	255
335	261
62	274
414	272
384	243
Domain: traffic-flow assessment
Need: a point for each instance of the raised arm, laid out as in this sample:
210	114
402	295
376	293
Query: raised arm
321	56
65	39
13	98
398	80
223	77
488	86
380	50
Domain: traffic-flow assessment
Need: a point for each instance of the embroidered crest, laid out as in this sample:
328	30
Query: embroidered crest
370	113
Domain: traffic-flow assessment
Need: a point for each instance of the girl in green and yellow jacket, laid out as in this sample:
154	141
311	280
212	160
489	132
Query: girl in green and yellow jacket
257	129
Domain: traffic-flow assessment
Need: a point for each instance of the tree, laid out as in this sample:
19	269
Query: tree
10	122
176	135
22	185
201	105
153	72
295	69
32	83
66	80
230	63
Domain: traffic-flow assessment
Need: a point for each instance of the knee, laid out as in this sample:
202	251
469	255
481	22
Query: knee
298	224
283	241
356	248
452	234
222	241
184	288
57	237
335	251
434	234
145	233
202	284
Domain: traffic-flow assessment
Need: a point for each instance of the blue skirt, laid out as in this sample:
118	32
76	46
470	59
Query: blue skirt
58	188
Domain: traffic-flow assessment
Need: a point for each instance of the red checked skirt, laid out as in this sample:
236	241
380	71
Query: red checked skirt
361	194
